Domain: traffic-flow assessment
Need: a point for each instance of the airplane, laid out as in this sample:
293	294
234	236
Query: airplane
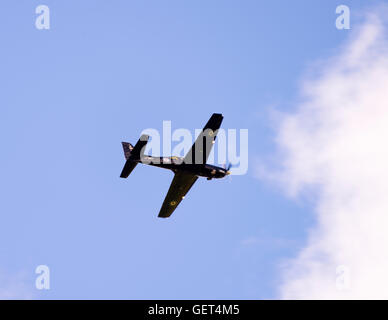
186	169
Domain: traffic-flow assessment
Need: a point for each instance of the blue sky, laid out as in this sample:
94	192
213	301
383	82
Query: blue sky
105	71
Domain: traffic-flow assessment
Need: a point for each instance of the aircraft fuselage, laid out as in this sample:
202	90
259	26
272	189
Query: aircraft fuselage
176	164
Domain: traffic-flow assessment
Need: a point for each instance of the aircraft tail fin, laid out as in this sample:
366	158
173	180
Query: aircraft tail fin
133	154
127	147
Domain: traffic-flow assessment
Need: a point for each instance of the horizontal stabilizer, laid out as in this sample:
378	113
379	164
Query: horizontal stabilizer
128	168
138	150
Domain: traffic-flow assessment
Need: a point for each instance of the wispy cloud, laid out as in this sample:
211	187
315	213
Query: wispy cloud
336	143
15	286
273	242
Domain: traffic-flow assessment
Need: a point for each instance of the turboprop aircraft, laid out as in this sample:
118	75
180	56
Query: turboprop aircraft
186	169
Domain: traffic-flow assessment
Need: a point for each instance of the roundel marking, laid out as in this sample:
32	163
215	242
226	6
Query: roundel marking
211	132
172	203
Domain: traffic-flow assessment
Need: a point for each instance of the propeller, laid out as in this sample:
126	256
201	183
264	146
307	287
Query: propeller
227	168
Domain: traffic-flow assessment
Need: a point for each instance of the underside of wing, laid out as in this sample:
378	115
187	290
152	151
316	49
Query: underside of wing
200	150
179	187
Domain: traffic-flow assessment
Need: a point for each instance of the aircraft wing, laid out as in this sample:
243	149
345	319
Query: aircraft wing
199	152
179	187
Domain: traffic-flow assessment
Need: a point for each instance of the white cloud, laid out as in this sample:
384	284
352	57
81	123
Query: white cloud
336	143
